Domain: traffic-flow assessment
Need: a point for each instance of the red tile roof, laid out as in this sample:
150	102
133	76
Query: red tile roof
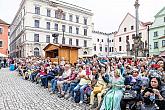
161	37
3	22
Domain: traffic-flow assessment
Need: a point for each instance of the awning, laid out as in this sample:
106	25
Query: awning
162	54
3	55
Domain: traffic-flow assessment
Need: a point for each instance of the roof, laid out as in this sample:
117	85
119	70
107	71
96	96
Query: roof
128	14
160	12
61	45
161	37
3	22
162	53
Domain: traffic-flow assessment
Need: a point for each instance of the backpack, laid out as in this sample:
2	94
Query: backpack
77	97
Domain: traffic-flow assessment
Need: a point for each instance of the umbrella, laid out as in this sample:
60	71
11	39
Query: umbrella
3	55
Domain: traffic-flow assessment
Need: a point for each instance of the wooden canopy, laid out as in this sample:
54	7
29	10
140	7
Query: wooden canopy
58	51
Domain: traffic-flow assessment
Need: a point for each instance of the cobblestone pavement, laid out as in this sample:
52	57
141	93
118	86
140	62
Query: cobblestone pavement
19	94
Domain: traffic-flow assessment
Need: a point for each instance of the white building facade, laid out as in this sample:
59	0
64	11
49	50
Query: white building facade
126	32
36	21
101	41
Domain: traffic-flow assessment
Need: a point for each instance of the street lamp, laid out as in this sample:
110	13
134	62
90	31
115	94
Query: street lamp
55	35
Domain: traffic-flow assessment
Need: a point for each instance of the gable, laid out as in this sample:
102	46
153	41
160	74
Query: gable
161	12
50	47
128	21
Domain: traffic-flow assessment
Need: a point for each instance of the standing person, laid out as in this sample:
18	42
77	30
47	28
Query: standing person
0	63
4	62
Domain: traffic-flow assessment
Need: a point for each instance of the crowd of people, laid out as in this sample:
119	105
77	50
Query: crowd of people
103	83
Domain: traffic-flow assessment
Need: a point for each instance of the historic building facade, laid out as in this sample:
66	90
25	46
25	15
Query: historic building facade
101	41
37	20
124	44
157	34
4	37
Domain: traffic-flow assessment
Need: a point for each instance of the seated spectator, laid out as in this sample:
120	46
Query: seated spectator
63	78
84	81
68	81
101	81
56	78
113	97
154	95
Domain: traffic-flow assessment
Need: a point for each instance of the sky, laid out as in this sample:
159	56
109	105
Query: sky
108	14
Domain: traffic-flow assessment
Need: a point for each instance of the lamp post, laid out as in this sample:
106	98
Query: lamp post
108	45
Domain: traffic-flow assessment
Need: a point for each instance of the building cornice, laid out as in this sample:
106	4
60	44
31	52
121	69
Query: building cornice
58	3
20	7
151	28
103	33
129	32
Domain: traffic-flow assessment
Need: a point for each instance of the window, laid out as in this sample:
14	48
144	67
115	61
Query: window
155	45
63	40
155	33
119	39
112	40
109	49
56	14
37	10
1	43
85	21
77	42
48	12
133	36
140	34
132	27
97	40
70	41
77	19
105	49
119	48
85	32
94	48
56	27
125	29
102	40
85	43
70	29
36	37
164	19
127	37
36	23
77	30
1	30
112	49
48	25
133	47
70	17
36	52
163	43
63	16
47	38
63	28
101	48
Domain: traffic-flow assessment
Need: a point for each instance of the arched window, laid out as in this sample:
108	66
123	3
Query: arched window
36	51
